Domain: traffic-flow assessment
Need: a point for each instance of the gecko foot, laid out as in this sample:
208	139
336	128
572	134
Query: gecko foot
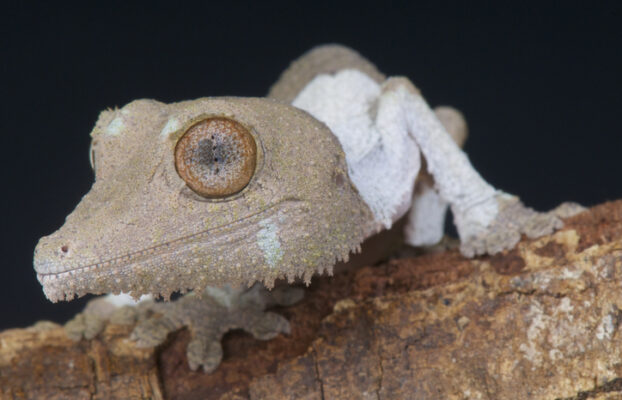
208	317
212	315
101	310
513	219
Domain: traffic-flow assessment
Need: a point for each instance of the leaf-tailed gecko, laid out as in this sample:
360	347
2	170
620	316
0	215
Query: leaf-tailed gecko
216	195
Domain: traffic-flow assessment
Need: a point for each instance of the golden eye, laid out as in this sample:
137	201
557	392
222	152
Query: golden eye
216	157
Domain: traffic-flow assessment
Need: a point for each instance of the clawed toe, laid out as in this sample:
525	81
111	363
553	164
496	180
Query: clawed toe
512	220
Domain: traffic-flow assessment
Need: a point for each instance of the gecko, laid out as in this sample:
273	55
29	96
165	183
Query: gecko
223	196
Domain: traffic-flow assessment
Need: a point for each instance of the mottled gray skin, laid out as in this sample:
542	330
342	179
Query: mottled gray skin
141	230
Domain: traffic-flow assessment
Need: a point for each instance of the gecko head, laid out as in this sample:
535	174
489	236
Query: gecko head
206	192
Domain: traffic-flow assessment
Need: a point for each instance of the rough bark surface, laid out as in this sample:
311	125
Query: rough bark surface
538	322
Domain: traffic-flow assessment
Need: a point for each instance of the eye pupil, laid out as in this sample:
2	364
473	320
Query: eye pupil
204	151
212	146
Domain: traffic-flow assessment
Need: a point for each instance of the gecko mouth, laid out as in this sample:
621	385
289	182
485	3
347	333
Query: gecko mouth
108	275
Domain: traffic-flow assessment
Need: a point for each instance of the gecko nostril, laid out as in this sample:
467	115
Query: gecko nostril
64	249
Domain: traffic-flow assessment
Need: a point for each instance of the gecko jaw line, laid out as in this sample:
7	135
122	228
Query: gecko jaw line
124	260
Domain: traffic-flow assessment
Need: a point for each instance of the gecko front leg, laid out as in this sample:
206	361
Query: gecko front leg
208	317
215	313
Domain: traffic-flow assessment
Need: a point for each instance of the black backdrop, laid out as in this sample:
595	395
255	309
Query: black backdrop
540	87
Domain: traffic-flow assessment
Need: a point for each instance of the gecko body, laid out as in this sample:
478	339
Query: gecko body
228	192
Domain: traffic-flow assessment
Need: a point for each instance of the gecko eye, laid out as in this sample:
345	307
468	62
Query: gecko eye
216	157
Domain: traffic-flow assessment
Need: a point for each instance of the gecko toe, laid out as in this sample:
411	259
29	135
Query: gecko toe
205	352
512	220
268	326
84	325
152	331
93	319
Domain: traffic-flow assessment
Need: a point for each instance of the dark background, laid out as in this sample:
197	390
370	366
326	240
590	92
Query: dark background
540	87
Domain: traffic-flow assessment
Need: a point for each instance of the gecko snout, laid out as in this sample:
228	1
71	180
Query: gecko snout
53	254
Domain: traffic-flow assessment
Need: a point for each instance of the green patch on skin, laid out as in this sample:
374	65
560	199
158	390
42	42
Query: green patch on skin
115	127
171	126
268	242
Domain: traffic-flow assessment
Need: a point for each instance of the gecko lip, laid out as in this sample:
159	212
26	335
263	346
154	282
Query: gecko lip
56	277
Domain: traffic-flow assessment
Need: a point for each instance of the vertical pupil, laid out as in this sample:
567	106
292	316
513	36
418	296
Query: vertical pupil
205	151
209	152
